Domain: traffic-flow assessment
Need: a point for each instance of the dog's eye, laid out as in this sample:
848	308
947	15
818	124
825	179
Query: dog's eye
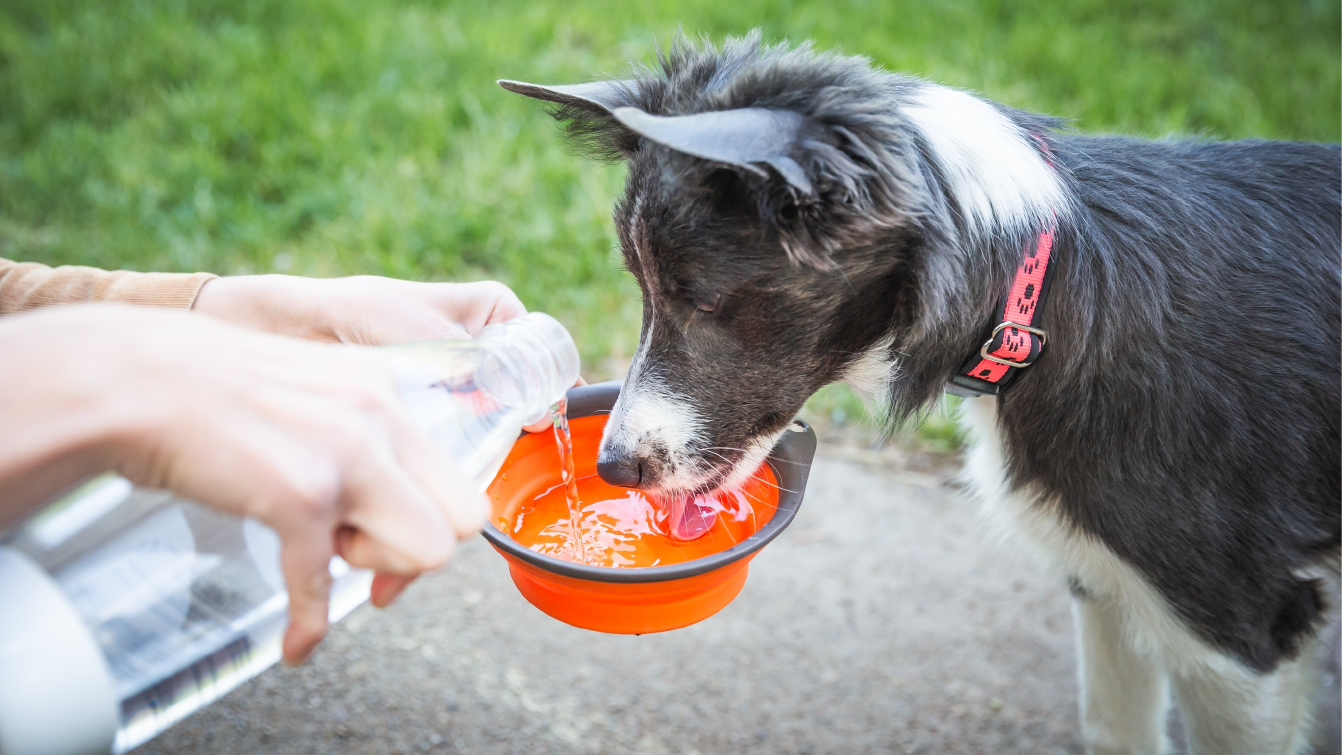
702	301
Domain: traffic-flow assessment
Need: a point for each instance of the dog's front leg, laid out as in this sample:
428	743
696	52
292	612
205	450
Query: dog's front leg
1124	695
1234	711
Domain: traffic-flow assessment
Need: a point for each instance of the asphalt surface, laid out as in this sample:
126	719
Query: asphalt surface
880	622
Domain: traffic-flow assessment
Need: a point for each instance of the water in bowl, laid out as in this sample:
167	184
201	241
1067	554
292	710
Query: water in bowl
622	528
600	534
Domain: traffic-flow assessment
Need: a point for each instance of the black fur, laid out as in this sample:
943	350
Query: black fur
1186	410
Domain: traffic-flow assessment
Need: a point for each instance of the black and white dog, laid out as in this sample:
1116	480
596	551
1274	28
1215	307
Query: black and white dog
796	218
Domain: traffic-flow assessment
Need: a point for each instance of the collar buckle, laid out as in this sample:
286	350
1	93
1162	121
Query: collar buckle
983	351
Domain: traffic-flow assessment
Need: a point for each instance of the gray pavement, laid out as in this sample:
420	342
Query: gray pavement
880	622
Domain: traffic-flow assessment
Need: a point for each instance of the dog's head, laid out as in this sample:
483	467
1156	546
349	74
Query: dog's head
778	215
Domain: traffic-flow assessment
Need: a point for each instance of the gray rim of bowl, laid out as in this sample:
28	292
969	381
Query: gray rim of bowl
791	463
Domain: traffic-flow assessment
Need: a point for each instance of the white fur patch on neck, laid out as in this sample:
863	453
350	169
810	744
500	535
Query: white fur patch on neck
988	163
756	452
872	374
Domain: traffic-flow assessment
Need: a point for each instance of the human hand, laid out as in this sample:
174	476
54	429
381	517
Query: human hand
365	309
309	438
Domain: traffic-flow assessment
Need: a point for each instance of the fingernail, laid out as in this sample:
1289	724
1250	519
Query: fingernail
297	651
386	588
387	597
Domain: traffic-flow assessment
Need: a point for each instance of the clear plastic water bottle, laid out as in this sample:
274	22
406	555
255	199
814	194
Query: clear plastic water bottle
123	610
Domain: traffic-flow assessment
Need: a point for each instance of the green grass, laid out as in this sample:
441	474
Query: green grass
333	137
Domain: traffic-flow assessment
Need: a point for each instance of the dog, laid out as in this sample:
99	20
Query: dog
1148	334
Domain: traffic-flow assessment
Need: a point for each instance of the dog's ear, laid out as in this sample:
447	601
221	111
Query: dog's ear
600	97
749	138
587	109
745	138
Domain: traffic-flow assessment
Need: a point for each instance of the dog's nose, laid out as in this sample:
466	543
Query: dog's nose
625	471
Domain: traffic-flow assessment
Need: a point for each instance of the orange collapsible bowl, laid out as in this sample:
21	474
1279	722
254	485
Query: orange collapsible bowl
637	600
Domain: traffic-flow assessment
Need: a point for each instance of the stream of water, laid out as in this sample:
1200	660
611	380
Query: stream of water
686	517
564	442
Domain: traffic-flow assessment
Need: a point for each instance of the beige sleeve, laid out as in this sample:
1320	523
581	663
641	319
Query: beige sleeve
25	285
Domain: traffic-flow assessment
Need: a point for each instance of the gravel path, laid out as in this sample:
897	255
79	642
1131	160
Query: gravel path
878	623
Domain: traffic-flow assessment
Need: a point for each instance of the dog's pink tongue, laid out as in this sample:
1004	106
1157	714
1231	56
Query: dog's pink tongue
691	517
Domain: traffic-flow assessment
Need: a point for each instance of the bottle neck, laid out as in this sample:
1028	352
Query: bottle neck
529	362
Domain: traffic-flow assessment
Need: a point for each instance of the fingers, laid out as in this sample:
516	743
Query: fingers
438	475
475	305
387	587
380	518
406	517
540	427
306	563
400	526
383	310
397	505
547	424
365	551
506	305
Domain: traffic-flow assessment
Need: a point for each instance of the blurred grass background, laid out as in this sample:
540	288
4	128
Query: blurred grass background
335	137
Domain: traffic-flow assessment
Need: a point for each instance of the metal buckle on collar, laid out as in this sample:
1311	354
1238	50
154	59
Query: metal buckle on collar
983	351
